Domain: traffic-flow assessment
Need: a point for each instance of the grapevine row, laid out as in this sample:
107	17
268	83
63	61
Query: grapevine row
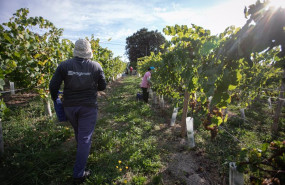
209	72
31	48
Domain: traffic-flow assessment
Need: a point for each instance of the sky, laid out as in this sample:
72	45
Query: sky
115	20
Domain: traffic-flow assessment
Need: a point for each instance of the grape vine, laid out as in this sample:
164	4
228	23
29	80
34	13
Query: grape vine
213	72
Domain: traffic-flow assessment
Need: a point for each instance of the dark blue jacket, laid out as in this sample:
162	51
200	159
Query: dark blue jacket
82	79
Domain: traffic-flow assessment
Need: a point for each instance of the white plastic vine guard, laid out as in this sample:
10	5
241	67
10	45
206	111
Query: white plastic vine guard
235	177
161	101
12	88
269	103
174	115
190	131
210	99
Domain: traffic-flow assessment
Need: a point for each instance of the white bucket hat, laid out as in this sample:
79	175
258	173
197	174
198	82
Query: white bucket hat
82	49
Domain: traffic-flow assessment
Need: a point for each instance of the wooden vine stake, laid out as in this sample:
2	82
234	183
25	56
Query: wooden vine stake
154	98
242	114
161	101
235	177
12	88
47	107
174	115
190	131
184	115
269	103
274	127
150	93
1	139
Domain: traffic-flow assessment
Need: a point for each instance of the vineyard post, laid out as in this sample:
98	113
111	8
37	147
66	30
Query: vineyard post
242	114
185	111
224	112
161	101
1	139
154	98
174	115
12	88
274	127
235	177
150	93
47	107
269	103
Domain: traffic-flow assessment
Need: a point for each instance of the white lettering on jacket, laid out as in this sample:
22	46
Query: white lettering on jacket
71	73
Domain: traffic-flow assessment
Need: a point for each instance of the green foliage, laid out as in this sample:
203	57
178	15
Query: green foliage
237	140
31	143
269	161
232	65
140	180
112	66
3	109
29	58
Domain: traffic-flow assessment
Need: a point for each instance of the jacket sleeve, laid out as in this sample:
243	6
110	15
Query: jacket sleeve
101	80
55	83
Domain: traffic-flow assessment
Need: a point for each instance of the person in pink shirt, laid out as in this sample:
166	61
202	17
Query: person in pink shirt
131	70
145	85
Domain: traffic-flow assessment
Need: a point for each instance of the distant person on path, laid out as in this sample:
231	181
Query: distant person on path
82	79
131	70
145	84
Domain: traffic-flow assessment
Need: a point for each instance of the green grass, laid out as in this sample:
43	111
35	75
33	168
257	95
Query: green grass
32	151
125	136
129	145
35	151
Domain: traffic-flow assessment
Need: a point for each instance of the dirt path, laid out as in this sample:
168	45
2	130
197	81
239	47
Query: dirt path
181	165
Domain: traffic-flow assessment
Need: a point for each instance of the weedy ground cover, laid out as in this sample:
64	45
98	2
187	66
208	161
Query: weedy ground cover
132	142
32	146
39	150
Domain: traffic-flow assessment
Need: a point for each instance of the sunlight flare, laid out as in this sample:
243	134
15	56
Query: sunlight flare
277	3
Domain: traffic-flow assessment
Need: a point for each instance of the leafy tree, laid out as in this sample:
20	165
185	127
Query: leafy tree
142	43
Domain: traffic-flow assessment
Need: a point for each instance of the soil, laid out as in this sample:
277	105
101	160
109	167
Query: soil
19	99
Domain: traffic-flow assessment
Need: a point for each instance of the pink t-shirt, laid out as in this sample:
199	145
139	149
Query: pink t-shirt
144	83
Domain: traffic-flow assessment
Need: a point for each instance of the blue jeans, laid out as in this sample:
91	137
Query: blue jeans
83	120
